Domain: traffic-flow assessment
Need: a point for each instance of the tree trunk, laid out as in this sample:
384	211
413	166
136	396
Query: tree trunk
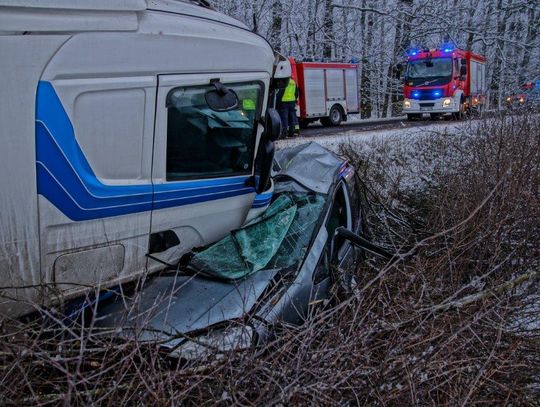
277	20
328	30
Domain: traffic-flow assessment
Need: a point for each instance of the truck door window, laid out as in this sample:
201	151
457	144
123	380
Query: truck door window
203	143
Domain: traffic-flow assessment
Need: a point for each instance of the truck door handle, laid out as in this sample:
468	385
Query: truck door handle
161	241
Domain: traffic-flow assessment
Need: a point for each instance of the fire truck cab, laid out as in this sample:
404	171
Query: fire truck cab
445	81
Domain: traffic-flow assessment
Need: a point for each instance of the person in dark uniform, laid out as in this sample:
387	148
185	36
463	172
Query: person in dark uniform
286	99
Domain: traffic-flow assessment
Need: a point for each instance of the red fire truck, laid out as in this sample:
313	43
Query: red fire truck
445	81
328	91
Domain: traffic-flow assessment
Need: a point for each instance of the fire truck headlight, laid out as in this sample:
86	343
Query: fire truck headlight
407	104
447	102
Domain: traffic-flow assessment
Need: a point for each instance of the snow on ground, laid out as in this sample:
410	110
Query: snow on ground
400	152
355	136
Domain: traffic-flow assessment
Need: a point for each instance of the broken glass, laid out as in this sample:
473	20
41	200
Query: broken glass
278	238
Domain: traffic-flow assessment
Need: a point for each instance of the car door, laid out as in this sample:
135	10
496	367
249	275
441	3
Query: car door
203	161
337	259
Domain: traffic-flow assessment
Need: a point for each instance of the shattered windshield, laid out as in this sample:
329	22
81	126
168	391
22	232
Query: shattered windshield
279	238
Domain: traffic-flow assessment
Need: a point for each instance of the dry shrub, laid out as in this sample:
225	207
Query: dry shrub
453	322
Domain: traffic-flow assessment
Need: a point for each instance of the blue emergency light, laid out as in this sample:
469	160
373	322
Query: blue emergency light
416	94
437	93
447	47
413	52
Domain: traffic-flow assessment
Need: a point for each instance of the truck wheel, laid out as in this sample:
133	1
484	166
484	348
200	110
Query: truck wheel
460	114
335	117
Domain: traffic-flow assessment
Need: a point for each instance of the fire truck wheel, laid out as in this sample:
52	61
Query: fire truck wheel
334	118
460	114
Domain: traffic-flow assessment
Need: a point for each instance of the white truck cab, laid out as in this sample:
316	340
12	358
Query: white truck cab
112	161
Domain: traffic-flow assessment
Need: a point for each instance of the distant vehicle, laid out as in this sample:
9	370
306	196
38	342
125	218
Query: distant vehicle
132	131
516	100
279	267
532	94
445	81
328	91
529	96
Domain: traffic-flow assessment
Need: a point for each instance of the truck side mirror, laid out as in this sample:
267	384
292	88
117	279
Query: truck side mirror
264	164
221	99
397	71
463	70
272	125
265	154
279	83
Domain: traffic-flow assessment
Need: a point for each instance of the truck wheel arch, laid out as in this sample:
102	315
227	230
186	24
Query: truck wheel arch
329	120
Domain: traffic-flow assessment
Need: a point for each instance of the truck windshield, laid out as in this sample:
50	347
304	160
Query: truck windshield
429	70
204	143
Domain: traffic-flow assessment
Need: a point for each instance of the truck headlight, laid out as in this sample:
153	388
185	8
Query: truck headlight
447	102
406	104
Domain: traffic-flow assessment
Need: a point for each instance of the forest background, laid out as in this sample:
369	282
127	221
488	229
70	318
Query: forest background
377	34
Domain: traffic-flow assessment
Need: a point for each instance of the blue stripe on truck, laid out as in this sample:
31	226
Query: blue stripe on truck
67	180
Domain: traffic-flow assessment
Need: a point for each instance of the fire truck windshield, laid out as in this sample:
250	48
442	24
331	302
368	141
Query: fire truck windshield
436	71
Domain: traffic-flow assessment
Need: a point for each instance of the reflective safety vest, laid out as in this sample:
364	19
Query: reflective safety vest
290	92
248	104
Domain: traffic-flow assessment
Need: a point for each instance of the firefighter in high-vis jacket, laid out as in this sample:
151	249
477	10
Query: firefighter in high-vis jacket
286	106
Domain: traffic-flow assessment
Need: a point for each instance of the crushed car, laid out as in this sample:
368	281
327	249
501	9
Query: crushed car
230	294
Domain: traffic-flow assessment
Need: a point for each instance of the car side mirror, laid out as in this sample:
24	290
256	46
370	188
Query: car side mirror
272	125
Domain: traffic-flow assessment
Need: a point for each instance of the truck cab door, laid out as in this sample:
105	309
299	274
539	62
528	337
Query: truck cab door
203	162
93	160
